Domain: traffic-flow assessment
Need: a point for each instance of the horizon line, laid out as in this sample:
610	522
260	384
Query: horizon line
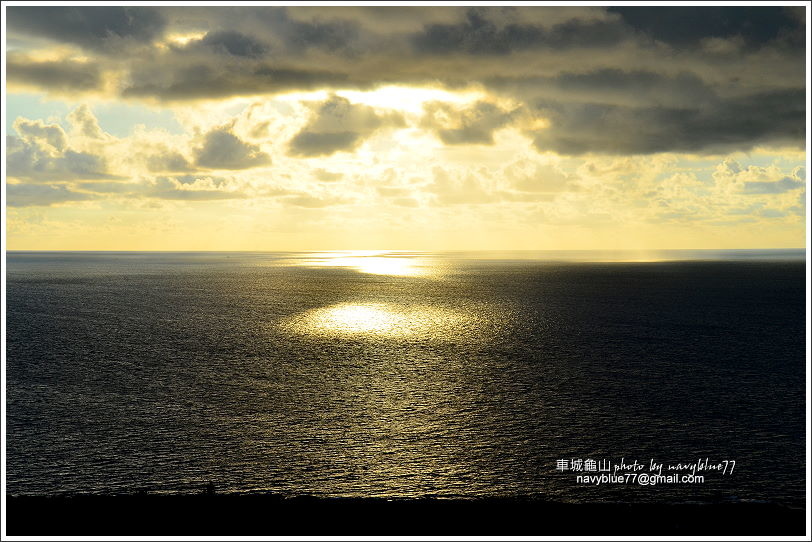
771	249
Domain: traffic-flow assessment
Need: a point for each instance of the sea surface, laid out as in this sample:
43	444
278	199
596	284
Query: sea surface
396	374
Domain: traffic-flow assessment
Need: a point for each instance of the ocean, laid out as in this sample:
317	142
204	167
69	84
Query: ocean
407	375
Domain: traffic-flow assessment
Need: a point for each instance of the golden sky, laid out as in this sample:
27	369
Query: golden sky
418	128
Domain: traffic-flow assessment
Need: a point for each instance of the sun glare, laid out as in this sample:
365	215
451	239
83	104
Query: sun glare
183	39
363	319
409	99
379	320
372	262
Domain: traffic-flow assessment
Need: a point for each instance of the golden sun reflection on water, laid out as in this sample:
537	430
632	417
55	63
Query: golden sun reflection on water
373	262
380	320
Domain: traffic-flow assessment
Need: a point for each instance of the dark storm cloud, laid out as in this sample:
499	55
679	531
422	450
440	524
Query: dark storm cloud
775	187
617	112
338	125
214	80
296	36
474	125
480	36
29	195
638	84
609	86
736	123
617	80
223	150
99	28
64	76
334	36
230	43
686	26
274	27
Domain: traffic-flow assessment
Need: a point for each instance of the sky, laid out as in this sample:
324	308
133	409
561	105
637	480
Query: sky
413	128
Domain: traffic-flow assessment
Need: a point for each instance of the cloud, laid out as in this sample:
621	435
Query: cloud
731	178
626	87
196	195
45	153
474	125
41	154
326	176
223	150
155	151
180	80
681	27
229	42
293	35
527	176
127	188
86	123
314	202
479	35
732	193
383	19
180	188
338	125
28	195
483	186
733	124
323	143
638	80
464	189
103	29
167	160
772	187
406	202
192	189
64	76
334	36
391	191
41	134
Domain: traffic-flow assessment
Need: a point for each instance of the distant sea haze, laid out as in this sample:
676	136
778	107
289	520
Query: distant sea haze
405	374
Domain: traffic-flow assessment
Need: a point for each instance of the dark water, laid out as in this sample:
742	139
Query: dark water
402	375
